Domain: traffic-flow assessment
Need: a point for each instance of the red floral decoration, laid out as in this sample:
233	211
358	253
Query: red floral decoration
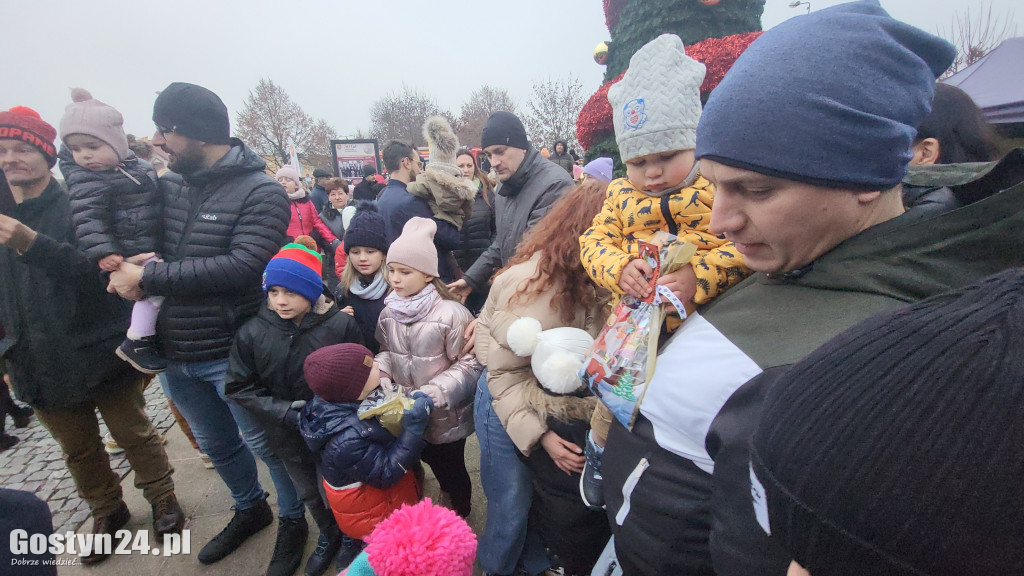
595	120
718	55
612	9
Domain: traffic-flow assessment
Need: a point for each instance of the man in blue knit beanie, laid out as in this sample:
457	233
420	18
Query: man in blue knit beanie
807	140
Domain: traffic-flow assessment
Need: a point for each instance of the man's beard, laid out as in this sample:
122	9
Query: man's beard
190	160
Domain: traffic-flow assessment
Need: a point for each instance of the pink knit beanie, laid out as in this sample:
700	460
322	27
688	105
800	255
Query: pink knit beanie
422	540
415	247
86	115
289	173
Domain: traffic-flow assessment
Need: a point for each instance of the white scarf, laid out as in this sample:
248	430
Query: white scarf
414	308
372	291
297	195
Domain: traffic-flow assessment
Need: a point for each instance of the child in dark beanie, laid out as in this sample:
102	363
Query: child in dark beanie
265	377
367	472
895	448
362	282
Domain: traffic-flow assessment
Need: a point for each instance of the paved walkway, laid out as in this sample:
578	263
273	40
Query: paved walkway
35	464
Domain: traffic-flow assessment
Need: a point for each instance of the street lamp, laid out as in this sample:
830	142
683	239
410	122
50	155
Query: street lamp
798	3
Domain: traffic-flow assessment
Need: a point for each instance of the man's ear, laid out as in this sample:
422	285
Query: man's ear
925	151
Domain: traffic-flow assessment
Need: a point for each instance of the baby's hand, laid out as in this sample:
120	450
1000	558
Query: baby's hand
682	283
111	263
348	310
634	278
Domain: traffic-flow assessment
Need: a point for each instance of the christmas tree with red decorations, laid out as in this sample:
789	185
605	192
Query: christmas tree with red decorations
715	33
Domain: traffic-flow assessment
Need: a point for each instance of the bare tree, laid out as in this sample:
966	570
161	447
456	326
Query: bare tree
400	116
483	102
553	108
976	34
270	118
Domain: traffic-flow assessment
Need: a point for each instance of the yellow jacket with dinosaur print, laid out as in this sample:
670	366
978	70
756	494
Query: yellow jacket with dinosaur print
630	215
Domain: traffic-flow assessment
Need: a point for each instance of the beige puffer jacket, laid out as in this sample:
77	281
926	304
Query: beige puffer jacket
509	377
429	352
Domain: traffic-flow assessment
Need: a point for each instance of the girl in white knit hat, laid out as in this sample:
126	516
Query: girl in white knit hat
421	334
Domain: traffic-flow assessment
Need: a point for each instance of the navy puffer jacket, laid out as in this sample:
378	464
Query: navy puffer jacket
221	227
114	211
352	450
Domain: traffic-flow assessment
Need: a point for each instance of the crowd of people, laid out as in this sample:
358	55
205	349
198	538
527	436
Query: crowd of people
839	383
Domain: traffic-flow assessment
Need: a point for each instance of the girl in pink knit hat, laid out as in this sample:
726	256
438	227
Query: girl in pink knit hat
422	333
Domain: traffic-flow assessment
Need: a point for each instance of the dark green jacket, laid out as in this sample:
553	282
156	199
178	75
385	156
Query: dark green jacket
704	400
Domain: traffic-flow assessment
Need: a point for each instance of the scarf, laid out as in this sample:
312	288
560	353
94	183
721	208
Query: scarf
373	290
297	195
414	308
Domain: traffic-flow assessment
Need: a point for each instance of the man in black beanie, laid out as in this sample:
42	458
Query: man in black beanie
224	219
895	448
528	186
807	156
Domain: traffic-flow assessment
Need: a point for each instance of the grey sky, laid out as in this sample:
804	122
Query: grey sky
334	58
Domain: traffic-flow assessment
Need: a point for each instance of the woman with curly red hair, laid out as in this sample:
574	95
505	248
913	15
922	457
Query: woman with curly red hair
530	438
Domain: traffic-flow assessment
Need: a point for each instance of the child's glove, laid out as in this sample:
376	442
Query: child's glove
435	394
291	417
415	419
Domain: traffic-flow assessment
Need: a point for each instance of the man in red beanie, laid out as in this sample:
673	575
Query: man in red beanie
60	332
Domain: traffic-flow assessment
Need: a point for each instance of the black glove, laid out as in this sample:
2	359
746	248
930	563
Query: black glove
291	417
415	419
335	244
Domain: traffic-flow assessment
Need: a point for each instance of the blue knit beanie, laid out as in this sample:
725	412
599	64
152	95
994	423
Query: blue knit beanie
295	268
832	99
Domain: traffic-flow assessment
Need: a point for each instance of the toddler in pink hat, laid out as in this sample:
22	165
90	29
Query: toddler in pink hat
116	208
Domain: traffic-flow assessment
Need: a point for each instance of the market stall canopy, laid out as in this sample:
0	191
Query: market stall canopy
996	82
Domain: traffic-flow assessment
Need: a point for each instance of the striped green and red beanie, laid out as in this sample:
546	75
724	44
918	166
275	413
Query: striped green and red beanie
296	268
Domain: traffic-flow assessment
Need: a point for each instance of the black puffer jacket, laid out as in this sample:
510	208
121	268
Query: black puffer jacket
114	211
265	370
352	450
220	230
60	325
367	190
477	231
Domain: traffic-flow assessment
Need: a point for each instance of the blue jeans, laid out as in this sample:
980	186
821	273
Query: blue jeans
507	540
197	388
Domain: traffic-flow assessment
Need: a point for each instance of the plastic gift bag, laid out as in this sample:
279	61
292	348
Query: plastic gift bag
388	406
622	361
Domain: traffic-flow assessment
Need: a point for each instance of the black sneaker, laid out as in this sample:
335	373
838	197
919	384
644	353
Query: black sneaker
350	548
291	540
327	546
21	415
141	354
591	481
243	524
7	441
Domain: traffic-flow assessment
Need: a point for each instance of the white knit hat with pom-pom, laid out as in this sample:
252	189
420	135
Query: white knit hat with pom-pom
557	354
86	115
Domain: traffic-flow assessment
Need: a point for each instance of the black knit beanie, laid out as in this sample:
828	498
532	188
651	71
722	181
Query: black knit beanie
504	129
897	448
193	111
366	229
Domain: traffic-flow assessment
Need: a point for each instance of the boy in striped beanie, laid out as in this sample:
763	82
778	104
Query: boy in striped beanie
265	377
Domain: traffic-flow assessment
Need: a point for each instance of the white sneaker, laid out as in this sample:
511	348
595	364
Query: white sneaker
110	445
